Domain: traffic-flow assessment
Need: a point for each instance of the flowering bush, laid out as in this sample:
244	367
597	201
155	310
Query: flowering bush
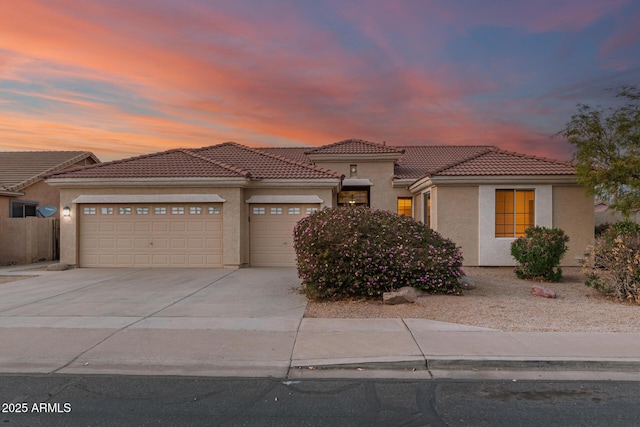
354	251
612	264
538	253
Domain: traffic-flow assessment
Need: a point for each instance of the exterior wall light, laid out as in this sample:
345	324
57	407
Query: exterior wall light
66	211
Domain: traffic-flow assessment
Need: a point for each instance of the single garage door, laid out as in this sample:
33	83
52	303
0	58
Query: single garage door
271	232
151	235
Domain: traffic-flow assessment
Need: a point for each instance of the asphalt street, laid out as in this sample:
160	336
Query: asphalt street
66	400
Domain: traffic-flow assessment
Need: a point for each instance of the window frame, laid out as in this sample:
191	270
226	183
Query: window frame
514	217
404	208
427	208
23	204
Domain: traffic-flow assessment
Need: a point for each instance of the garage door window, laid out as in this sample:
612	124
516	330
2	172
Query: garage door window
214	211
259	211
89	211
160	211
276	211
311	210
142	211
195	210
106	211
293	211
177	210
124	211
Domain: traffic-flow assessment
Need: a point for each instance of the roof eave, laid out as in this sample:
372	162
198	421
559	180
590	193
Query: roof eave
149	182
9	193
306	183
504	179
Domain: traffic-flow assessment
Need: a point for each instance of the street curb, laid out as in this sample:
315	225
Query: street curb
460	364
537	364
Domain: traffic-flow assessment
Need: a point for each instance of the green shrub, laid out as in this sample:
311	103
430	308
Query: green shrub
539	252
354	251
600	229
612	264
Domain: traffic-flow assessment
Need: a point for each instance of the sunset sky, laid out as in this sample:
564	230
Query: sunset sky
122	78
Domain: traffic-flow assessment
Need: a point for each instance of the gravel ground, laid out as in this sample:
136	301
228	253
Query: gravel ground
502	301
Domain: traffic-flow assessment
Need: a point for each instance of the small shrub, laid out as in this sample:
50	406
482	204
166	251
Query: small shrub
539	252
612	264
354	251
600	229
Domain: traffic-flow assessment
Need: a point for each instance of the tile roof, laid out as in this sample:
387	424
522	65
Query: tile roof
19	169
422	160
355	146
263	164
223	160
230	159
501	162
293	153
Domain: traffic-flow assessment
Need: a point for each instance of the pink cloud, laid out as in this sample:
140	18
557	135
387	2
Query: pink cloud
208	76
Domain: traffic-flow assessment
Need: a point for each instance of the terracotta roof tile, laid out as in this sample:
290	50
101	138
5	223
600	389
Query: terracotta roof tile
167	164
264	165
422	160
293	153
19	169
501	162
355	146
223	160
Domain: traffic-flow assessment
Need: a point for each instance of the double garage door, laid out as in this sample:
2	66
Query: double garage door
151	235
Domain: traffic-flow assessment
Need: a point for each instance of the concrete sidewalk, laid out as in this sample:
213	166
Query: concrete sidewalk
249	323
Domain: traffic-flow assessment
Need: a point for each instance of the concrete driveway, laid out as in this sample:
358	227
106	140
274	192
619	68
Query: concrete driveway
168	321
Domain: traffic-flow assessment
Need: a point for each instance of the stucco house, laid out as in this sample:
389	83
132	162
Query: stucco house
25	234
229	205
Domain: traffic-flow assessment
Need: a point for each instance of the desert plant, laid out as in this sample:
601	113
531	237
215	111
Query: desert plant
612	264
539	252
354	251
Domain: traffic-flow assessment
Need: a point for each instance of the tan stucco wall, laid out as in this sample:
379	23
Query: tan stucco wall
26	240
4	206
573	213
418	202
459	206
383	196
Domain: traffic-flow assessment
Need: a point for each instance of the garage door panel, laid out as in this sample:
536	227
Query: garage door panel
105	227
124	244
180	235
141	243
160	243
177	244
105	243
213	227
142	227
160	227
177	227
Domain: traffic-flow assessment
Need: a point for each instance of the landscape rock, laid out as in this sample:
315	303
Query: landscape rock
58	267
404	295
467	283
541	291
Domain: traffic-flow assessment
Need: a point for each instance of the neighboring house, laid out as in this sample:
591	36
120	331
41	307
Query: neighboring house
24	196
229	205
605	215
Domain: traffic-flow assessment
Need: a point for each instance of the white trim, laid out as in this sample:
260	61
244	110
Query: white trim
149	198
356	182
496	251
285	199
